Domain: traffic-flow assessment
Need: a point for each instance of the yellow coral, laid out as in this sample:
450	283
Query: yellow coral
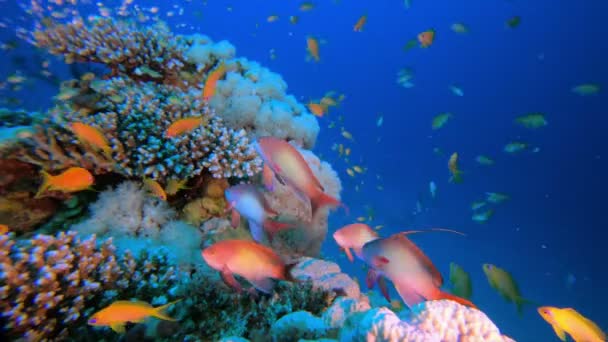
216	187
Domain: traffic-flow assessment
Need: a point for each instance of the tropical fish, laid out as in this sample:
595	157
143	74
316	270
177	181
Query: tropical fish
354	236
501	281
569	321
532	121
182	126
515	147
350	172
347	134
426	38
513	22
256	263
456	90
117	314
478	205
210	84
380	121
294	19
4	229
284	161
71	180
154	188
460	281
247	201
410	44
317	109
496	197
91	136
586	89
453	167
440	120
482	217
360	23
175	185
415	277
433	189
484	160
272	18
459	28
306	6
358	169
312	46
404	78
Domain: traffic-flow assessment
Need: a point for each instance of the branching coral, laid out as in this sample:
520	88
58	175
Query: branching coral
52	284
47	280
147	53
134	117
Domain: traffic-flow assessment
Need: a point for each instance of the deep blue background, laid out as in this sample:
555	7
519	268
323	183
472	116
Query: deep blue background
557	195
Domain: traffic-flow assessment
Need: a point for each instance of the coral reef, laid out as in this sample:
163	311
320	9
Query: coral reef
148	52
137	221
211	204
134	117
326	275
430	321
18	207
297	325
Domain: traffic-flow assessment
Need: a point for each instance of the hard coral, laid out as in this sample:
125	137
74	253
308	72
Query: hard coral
48	281
430	321
134	117
140	52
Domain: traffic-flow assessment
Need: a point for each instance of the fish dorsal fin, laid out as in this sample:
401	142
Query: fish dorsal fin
426	262
135	303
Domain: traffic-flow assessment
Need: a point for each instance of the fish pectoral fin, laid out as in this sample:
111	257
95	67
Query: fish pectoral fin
268	177
371	278
559	332
118	327
235	219
349	255
409	295
229	279
384	289
263	284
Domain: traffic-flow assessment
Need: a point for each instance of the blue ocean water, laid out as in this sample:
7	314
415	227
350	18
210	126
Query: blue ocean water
552	226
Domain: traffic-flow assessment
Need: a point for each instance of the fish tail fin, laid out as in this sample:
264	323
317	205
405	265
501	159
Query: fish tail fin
521	303
46	183
324	200
273	227
158	312
445	295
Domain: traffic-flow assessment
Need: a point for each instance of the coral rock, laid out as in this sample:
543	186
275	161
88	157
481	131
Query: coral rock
326	275
298	325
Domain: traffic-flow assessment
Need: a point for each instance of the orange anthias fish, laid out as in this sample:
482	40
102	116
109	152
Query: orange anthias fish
354	236
313	48
317	109
415	277
256	263
360	23
453	167
214	76
182	126
426	38
121	312
283	161
569	321
71	180
248	201
91	136
154	188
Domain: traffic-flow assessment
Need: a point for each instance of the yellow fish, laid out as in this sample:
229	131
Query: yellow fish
569	321
175	185
347	135
155	188
120	312
503	282
453	167
182	126
71	180
312	46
